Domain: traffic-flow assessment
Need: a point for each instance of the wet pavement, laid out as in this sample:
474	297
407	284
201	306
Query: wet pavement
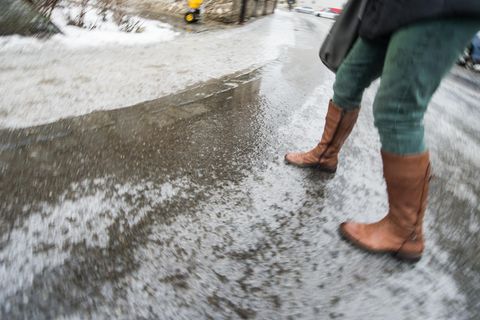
182	207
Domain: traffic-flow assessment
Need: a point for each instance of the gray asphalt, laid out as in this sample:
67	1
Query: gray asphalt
182	207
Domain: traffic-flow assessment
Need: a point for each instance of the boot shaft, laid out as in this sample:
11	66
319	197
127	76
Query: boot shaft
338	126
407	179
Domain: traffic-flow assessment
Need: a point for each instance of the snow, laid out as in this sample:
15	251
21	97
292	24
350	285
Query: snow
99	29
108	31
42	82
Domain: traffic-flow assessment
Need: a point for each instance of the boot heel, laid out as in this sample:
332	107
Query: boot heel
407	256
326	169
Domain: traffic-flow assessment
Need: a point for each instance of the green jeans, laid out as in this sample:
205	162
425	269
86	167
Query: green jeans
411	65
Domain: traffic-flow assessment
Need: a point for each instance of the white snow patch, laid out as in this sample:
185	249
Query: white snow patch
45	239
99	29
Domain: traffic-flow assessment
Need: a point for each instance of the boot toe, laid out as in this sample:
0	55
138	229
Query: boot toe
356	234
299	159
302	159
291	158
348	230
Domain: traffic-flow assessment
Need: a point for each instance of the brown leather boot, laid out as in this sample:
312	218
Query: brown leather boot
338	125
400	231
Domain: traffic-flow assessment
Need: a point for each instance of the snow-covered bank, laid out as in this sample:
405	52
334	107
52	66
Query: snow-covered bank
51	82
103	29
100	27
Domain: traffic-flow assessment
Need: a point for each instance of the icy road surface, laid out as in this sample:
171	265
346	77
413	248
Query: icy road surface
182	207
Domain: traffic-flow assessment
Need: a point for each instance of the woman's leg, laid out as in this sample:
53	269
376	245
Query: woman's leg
362	65
417	58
